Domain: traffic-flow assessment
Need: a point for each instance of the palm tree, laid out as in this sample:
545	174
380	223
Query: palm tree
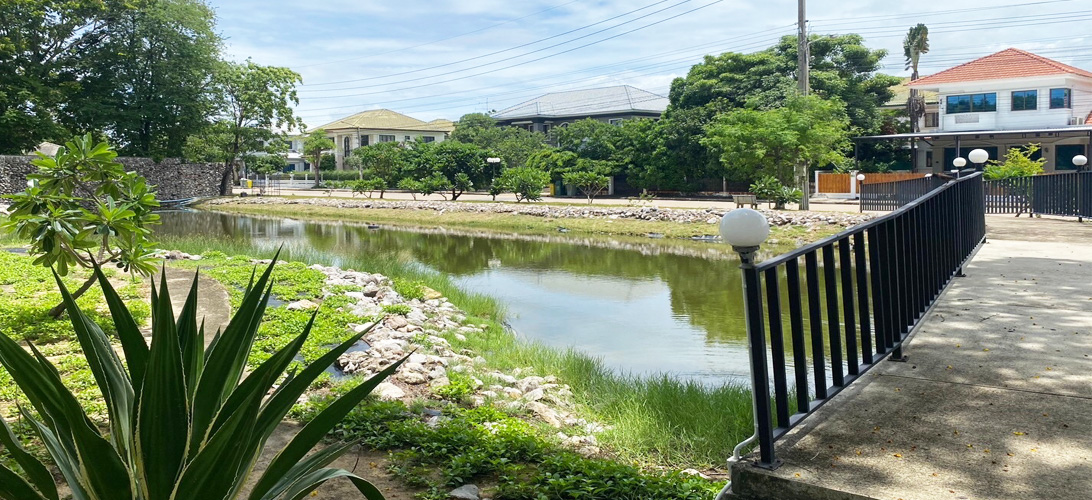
914	45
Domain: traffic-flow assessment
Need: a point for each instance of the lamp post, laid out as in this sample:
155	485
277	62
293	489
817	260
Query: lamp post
860	193
978	157
958	163
1080	161
746	229
493	161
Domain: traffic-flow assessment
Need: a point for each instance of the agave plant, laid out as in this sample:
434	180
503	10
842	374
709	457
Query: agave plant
184	422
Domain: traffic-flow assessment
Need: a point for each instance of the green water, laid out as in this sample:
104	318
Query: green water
645	306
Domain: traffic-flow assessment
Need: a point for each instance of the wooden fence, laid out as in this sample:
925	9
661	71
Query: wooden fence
843	184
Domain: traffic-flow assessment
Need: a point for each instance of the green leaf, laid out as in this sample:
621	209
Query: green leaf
312	463
109	372
318	427
66	462
37	472
132	341
310	482
190	340
162	429
13	487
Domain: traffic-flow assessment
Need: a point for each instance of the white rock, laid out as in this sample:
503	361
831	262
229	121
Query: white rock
464	492
301	305
534	395
387	391
413	378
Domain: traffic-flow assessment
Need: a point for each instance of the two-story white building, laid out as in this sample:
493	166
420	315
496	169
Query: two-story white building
381	125
1004	100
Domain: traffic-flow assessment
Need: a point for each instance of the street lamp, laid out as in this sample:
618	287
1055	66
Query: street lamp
493	161
978	157
1080	161
746	229
959	162
860	194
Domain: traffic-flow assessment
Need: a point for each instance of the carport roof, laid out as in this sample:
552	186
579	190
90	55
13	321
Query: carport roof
1068	131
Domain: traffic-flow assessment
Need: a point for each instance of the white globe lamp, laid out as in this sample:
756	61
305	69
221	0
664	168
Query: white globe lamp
959	162
860	177
745	229
1080	161
978	157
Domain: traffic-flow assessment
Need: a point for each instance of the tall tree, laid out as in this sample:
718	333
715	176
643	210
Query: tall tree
753	142
40	43
147	83
313	146
257	99
513	145
914	45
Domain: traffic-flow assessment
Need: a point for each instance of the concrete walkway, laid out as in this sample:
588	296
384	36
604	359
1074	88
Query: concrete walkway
994	403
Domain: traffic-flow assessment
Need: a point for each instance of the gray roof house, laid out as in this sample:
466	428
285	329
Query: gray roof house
558	109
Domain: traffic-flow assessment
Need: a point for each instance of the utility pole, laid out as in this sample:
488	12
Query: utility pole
802	62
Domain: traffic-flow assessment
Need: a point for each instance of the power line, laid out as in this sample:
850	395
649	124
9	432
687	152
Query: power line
504	50
403	49
714	2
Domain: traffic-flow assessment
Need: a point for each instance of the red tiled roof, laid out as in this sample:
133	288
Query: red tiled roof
1009	63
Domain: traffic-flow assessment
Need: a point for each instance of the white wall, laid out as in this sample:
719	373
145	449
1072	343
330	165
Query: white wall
1007	119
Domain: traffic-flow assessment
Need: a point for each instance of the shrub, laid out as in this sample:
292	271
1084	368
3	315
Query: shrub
526	183
589	183
769	188
1018	163
413	186
183	421
399	309
409	289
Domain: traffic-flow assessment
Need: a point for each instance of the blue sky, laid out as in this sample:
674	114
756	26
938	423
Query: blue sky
443	58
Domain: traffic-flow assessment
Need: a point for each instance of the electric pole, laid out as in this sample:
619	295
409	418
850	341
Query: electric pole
802	62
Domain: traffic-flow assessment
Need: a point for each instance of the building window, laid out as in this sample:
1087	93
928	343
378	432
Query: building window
386	138
1063	156
1060	98
932	119
972	103
347	145
364	140
408	139
428	138
1025	100
615	121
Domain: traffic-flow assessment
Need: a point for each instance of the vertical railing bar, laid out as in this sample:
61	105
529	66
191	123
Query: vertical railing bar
760	379
845	265
879	299
861	265
830	274
777	346
815	319
796	332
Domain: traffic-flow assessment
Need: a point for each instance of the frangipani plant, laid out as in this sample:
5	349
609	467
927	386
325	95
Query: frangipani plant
184	421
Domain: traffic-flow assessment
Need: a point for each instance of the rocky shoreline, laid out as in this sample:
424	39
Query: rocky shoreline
682	215
419	329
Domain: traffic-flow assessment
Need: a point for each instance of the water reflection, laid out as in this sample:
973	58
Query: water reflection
641	311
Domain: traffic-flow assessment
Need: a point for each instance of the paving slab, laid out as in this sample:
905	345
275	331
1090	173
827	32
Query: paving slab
995	401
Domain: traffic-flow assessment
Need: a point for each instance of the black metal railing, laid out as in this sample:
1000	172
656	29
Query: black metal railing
1068	194
887	196
850	300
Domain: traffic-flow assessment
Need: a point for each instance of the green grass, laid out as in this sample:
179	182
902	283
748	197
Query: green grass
527	224
654	420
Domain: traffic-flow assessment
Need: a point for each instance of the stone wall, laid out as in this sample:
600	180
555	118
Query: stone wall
173	179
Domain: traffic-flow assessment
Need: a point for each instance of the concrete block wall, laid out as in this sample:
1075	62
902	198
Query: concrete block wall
173	179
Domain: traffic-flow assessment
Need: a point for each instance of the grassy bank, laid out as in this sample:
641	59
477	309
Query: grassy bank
527	224
655	421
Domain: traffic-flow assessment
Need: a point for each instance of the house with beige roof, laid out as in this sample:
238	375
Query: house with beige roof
381	125
1005	100
559	109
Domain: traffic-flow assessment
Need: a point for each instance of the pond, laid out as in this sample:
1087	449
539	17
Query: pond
644	306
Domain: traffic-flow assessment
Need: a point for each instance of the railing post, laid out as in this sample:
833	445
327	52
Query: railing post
756	345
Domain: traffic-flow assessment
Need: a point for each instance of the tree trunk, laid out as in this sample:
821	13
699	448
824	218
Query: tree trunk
59	308
226	179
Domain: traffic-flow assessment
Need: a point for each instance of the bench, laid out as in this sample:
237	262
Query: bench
745	199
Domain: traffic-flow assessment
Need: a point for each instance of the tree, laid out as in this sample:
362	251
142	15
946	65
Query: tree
313	146
588	138
588	182
526	183
1018	163
266	164
456	166
83	209
753	142
411	185
147	84
555	163
513	145
41	42
914	45
256	99
383	161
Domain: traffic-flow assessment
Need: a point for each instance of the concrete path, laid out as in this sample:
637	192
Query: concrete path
994	403
213	303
